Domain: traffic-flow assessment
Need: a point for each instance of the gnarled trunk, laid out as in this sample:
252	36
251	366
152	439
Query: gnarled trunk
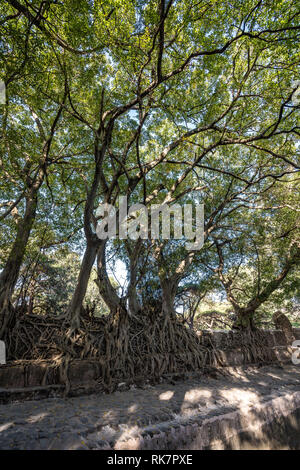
10	273
106	290
75	306
169	289
133	301
244	320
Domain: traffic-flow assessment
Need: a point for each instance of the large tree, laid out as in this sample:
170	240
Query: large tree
164	102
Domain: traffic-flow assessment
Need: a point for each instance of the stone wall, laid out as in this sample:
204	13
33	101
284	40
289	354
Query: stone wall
226	339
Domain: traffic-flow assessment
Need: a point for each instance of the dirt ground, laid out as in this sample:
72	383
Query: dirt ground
94	421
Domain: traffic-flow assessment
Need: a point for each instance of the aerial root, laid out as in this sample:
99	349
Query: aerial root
126	346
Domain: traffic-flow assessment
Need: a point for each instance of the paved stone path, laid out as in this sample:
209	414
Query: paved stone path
91	422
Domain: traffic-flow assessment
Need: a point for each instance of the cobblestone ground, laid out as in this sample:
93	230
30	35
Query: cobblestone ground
86	422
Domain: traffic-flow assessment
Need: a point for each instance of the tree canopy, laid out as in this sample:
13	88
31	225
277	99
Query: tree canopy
163	102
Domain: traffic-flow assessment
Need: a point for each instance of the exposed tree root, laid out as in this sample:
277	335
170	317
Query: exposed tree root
126	346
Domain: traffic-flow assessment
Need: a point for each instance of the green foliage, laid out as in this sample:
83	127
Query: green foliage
192	106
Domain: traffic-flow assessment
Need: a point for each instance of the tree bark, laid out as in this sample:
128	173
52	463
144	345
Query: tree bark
133	301
169	289
106	290
75	306
93	243
10	273
244	320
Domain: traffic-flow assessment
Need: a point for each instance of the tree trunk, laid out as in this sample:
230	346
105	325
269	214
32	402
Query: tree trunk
106	290
244	320
10	273
75	306
133	301
169	289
